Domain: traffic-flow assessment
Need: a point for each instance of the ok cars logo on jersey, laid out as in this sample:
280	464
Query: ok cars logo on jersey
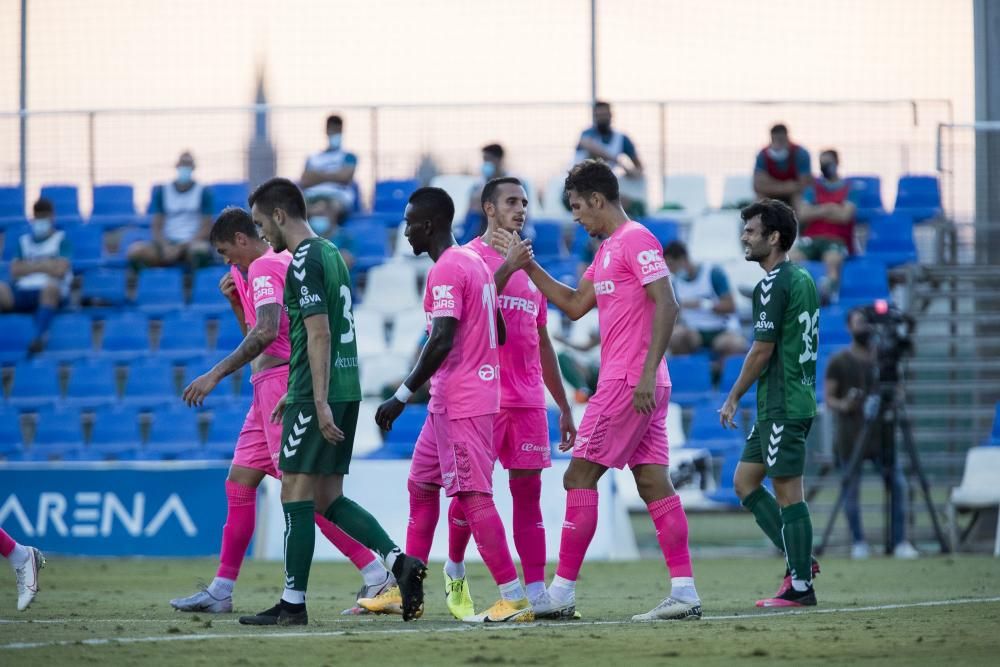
651	261
262	287
443	297
763	323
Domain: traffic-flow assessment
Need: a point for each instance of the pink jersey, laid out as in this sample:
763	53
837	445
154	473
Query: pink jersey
264	284
524	310
626	262
467	384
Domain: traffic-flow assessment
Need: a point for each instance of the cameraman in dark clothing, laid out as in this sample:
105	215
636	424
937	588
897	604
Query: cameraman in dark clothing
850	379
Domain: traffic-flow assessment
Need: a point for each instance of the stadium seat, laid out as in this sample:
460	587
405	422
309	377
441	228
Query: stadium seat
816	269
725	493
92	384
918	197
16	331
11	204
104	287
229	194
36	385
737	191
866	194
369	246
174	435
391	196
400	441
150	384
548	240
665	231
685	192
115	434
367	436
128	236
715	237
11	243
994	437
114	206
731	368
160	290
392	287
70	337
11	439
833	326
205	295
691	376
891	240
707	432
225	428
58	435
580	241
229	336
552	199
126	336
183	336
408	329
380	221
370	325
66	202
977	491
381	369
223	393
88	247
862	281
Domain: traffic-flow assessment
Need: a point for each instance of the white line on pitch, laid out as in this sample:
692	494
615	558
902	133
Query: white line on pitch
468	628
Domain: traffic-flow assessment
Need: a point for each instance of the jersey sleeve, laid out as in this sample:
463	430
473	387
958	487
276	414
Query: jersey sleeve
720	283
206	201
310	285
809	195
802	161
265	286
769	302
156	201
589	273
644	257
629	149
350	160
759	164
445	286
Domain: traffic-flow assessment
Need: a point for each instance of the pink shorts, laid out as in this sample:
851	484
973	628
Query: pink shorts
456	454
613	434
521	438
260	440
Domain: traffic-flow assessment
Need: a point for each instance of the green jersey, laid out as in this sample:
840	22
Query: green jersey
318	284
786	313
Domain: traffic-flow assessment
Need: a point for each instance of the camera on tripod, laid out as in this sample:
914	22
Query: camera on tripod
892	331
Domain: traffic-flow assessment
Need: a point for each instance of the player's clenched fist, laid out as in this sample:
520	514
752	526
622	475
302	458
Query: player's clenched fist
228	287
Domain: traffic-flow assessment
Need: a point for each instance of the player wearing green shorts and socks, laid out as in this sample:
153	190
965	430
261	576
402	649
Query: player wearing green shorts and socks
320	412
782	361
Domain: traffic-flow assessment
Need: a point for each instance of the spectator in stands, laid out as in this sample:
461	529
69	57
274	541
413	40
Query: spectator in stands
579	363
827	220
850	378
708	320
601	142
182	219
782	168
41	273
328	178
492	167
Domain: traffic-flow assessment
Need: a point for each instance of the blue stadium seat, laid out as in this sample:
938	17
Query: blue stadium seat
36	385
383	220
918	197
862	281
129	236
369	245
174	435
70	337
994	437
400	441
548	240
66	202
230	335
92	384
11	439
225	430
725	493
16	331
833	326
222	395
126	336
731	368
229	194
866	194
150	384
115	434
11	206
205	295
691	377
104	287
160	290
891	240
88	247
58	435
183	336
816	269
707	432
114	206
665	231
11	239
391	196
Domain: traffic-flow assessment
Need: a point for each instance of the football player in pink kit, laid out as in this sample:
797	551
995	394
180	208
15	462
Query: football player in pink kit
257	303
625	420
528	366
455	447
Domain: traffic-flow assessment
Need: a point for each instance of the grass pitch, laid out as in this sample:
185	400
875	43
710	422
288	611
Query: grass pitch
115	612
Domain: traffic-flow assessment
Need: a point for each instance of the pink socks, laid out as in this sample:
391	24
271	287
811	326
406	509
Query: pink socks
672	534
577	531
359	554
488	530
236	534
529	531
459	531
424	510
7	543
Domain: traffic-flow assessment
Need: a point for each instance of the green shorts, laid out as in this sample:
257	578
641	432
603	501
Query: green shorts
814	248
303	447
779	445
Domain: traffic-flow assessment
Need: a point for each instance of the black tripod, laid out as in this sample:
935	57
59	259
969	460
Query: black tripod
881	406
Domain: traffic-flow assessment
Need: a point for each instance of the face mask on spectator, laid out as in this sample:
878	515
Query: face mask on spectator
778	154
488	170
320	224
334	142
829	170
41	227
603	126
184	174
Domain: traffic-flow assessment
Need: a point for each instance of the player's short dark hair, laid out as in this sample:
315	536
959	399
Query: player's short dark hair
775	216
592	176
233	219
43	208
779	128
601	103
675	250
334	119
492	185
434	204
279	193
830	151
496	150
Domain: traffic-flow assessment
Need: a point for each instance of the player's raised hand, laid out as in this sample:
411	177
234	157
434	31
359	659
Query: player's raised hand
387	413
331	432
642	398
195	393
502	240
520	253
279	409
228	287
727	413
567	431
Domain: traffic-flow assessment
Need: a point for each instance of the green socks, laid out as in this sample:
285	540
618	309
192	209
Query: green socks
798	536
355	520
300	538
765	511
